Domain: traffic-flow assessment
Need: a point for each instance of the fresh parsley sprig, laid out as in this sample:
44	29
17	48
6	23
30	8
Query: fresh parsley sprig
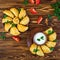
55	40
13	25
56	11
50	32
3	36
39	39
51	48
35	50
25	2
49	16
8	22
19	9
42	37
4	16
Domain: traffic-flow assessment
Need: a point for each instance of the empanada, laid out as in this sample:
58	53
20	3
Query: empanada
16	20
51	44
52	37
50	29
32	47
14	31
22	13
25	20
9	13
45	49
22	28
40	52
6	19
7	27
14	11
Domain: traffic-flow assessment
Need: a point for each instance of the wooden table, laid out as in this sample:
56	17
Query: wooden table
10	49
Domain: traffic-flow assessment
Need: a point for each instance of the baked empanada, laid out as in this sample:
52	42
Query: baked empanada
50	29
14	11
52	37
40	52
22	28
7	27
51	44
25	20
9	13
22	13
14	31
32	48
45	49
16	20
6	19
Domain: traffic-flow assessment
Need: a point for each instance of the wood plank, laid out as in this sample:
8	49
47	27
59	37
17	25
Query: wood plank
10	49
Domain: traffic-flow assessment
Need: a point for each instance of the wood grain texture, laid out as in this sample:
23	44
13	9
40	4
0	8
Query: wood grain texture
11	50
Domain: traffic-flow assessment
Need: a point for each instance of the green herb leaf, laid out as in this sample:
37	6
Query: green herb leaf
56	11
35	50
42	37
3	37
49	16
19	9
56	5
4	16
58	17
38	39
25	2
50	32
13	25
8	22
51	48
55	41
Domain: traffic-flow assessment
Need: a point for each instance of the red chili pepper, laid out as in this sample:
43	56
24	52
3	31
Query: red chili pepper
33	11
16	38
38	2
31	1
39	19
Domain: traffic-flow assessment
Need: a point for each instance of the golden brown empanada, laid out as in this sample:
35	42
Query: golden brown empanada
22	28
7	27
16	20
51	44
25	20
40	52
9	13
6	19
14	11
52	37
32	47
22	13
14	31
50	29
45	49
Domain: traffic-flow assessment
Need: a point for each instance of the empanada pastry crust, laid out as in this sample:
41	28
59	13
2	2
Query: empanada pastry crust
9	13
22	28
14	11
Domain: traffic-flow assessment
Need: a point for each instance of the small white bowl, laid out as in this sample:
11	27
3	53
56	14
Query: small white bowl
39	38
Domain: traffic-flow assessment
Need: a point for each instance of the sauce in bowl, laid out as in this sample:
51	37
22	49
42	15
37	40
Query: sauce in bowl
39	38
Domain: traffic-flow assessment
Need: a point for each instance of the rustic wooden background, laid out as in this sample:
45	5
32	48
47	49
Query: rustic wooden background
10	49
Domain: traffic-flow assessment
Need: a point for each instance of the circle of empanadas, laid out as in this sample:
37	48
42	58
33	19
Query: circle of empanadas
15	20
46	48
